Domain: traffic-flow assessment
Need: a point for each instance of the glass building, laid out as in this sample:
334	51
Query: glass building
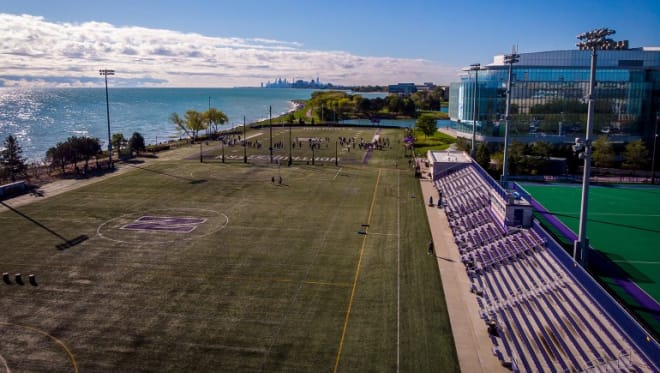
548	95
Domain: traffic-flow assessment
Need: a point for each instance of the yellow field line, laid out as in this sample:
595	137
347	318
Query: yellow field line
357	275
59	342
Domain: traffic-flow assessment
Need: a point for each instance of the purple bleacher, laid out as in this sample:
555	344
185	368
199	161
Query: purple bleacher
515	342
583	307
525	340
537	341
568	333
548	340
525	268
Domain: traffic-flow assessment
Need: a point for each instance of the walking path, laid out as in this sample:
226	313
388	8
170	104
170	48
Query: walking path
473	345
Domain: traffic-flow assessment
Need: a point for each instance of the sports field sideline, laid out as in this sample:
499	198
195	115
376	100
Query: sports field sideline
178	265
623	223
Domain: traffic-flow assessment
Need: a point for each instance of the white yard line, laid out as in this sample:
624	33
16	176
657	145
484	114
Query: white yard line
338	171
4	362
398	271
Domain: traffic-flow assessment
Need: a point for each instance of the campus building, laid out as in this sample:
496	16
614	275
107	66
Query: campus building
548	96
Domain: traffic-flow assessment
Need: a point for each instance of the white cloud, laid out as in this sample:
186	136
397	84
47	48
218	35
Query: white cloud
34	51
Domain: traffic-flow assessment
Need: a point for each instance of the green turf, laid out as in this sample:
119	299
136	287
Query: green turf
623	223
266	283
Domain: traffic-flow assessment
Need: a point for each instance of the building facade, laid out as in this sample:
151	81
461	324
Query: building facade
549	90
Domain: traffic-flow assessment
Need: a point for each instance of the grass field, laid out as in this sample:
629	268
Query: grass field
623	223
189	266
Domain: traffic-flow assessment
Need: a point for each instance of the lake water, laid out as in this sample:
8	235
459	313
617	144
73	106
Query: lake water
40	118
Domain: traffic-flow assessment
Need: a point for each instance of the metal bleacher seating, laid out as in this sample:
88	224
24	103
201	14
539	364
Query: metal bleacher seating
543	319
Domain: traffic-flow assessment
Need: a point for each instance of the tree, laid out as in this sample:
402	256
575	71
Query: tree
603	152
517	158
215	117
635	156
136	143
118	140
58	155
483	156
179	123
427	124
194	122
497	160
87	147
11	160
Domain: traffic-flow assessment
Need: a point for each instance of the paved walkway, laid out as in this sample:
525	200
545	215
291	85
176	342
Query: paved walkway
473	344
60	186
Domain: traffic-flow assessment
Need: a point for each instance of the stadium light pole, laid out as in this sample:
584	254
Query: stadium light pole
474	67
290	159
244	142
591	40
270	126
655	141
105	73
510	59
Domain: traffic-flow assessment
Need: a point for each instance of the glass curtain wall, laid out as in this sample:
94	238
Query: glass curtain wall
552	101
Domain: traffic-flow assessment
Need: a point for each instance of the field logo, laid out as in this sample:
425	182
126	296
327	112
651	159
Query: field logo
178	224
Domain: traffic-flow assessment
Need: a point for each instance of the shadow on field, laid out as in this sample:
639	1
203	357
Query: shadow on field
191	181
65	245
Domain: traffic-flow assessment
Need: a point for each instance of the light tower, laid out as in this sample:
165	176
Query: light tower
510	59
591	40
105	73
474	67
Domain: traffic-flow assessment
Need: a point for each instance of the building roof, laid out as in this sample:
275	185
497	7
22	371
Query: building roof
636	57
449	156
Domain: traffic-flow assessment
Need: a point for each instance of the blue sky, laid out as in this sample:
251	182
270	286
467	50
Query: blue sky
166	42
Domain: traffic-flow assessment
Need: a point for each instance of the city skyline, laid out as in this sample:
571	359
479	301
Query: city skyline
226	44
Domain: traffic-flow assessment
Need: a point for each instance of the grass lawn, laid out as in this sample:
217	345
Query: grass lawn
439	141
189	266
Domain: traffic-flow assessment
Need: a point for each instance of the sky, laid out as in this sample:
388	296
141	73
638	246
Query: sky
229	43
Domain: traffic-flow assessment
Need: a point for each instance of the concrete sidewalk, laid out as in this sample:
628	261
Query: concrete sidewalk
473	345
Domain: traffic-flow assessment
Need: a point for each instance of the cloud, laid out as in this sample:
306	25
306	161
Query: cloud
34	51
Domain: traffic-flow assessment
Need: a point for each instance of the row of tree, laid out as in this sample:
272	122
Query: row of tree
535	158
337	105
76	149
72	151
194	121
